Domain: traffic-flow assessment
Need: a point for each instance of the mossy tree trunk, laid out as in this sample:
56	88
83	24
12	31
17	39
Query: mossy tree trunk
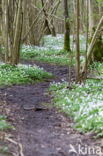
67	27
97	53
98	50
92	46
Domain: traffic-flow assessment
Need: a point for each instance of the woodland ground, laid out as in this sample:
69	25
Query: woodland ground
43	132
40	129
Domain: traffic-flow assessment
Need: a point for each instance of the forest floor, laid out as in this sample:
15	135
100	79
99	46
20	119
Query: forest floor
41	130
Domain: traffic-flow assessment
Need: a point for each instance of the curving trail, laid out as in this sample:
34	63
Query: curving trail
43	132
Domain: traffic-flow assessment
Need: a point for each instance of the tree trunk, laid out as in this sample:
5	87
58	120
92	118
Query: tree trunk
98	47
67	27
12	29
78	44
48	31
92	45
17	34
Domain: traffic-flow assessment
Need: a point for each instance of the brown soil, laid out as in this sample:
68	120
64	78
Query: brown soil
42	131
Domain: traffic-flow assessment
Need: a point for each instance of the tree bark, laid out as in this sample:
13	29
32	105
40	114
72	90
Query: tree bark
78	44
67	27
12	29
92	44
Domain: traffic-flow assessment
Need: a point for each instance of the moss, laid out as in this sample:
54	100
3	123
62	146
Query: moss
98	50
67	37
66	42
97	54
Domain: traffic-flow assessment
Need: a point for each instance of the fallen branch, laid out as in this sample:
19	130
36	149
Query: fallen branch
95	77
17	144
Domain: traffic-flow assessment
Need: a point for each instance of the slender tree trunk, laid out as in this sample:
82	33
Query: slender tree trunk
48	31
78	44
91	18
87	37
67	27
12	29
52	22
17	34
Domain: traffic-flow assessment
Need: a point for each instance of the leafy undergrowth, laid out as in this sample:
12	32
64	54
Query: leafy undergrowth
4	125
45	55
57	42
22	74
84	103
97	69
52	51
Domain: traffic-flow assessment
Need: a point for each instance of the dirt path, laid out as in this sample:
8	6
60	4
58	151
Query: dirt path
42	132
